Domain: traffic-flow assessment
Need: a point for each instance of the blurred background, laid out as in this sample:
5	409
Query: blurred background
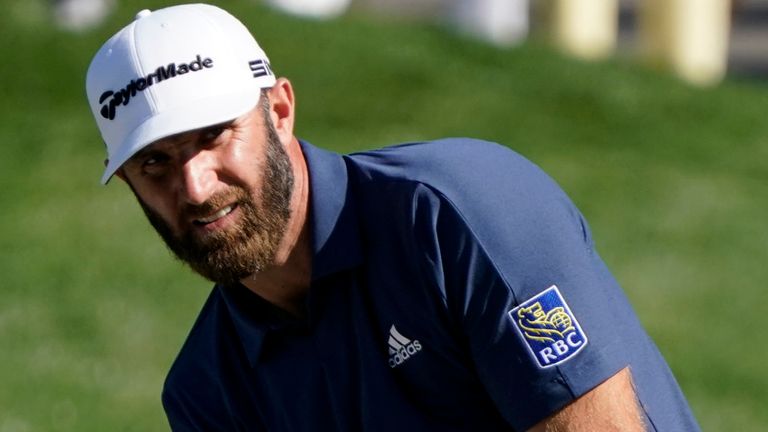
651	114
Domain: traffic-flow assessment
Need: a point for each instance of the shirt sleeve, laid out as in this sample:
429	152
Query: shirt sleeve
542	316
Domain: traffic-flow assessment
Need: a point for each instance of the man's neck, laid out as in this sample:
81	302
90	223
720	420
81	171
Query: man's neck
286	283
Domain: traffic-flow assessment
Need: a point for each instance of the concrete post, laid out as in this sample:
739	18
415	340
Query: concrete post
689	37
318	9
584	28
504	22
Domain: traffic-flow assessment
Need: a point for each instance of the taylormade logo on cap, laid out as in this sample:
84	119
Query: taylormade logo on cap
171	71
123	96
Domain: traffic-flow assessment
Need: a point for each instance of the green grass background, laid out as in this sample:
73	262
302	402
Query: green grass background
672	179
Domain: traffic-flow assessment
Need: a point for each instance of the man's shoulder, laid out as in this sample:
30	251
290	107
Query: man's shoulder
443	157
485	189
464	170
447	160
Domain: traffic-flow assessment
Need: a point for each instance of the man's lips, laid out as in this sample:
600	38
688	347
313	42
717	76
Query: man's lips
224	211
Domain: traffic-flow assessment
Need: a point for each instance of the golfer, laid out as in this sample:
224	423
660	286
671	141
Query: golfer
436	286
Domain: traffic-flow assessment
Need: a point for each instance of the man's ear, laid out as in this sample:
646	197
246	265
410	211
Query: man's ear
121	174
282	108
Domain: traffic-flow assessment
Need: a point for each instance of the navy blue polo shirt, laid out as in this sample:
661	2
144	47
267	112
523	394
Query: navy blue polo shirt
455	287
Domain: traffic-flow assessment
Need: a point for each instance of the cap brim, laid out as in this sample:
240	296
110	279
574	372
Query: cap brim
199	114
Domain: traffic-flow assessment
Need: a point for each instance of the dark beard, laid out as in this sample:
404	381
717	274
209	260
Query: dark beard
227	256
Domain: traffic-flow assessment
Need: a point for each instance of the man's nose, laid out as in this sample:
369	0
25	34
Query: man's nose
198	177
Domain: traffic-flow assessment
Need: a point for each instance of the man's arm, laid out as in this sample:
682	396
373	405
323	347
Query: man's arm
611	406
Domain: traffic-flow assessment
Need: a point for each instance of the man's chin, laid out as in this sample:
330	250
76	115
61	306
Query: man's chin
225	260
225	275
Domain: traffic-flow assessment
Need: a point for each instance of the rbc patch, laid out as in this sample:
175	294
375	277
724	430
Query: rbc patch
548	327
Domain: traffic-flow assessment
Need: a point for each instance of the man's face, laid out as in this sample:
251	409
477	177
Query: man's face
219	197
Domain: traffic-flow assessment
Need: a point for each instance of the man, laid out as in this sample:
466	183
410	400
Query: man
429	287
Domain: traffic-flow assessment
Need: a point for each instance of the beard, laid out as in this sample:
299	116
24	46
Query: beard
228	255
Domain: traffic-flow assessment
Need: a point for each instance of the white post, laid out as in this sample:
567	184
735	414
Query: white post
584	28
504	22
688	36
318	9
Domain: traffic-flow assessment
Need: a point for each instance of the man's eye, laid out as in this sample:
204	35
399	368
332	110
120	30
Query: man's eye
154	160
154	164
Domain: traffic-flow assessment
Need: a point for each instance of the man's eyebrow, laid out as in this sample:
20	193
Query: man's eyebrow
152	147
173	139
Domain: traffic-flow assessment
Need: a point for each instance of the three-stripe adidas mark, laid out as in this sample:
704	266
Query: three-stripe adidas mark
401	348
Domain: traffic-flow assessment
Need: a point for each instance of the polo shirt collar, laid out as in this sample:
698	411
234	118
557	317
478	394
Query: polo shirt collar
333	218
335	246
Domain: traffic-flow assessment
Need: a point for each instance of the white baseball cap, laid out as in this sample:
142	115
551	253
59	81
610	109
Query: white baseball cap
170	71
